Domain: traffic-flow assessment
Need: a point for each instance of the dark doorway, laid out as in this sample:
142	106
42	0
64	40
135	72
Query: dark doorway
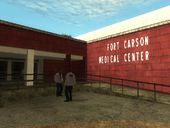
17	70
35	70
3	70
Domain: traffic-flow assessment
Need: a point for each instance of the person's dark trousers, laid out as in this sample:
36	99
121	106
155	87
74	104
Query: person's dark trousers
68	93
59	89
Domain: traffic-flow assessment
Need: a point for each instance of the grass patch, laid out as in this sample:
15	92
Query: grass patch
87	107
108	124
26	93
47	91
1	101
127	92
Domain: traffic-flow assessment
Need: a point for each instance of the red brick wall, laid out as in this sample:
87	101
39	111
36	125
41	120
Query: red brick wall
22	38
155	69
18	37
79	69
53	66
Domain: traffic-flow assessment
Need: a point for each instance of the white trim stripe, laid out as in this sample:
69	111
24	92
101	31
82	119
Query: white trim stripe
148	20
50	54
76	57
23	51
13	50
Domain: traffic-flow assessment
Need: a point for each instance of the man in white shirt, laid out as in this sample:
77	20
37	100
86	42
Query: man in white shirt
58	78
70	81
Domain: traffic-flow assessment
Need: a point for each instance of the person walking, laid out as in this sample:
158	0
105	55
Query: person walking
70	81
58	78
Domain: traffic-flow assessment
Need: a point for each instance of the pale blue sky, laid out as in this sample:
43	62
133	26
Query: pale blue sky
74	17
